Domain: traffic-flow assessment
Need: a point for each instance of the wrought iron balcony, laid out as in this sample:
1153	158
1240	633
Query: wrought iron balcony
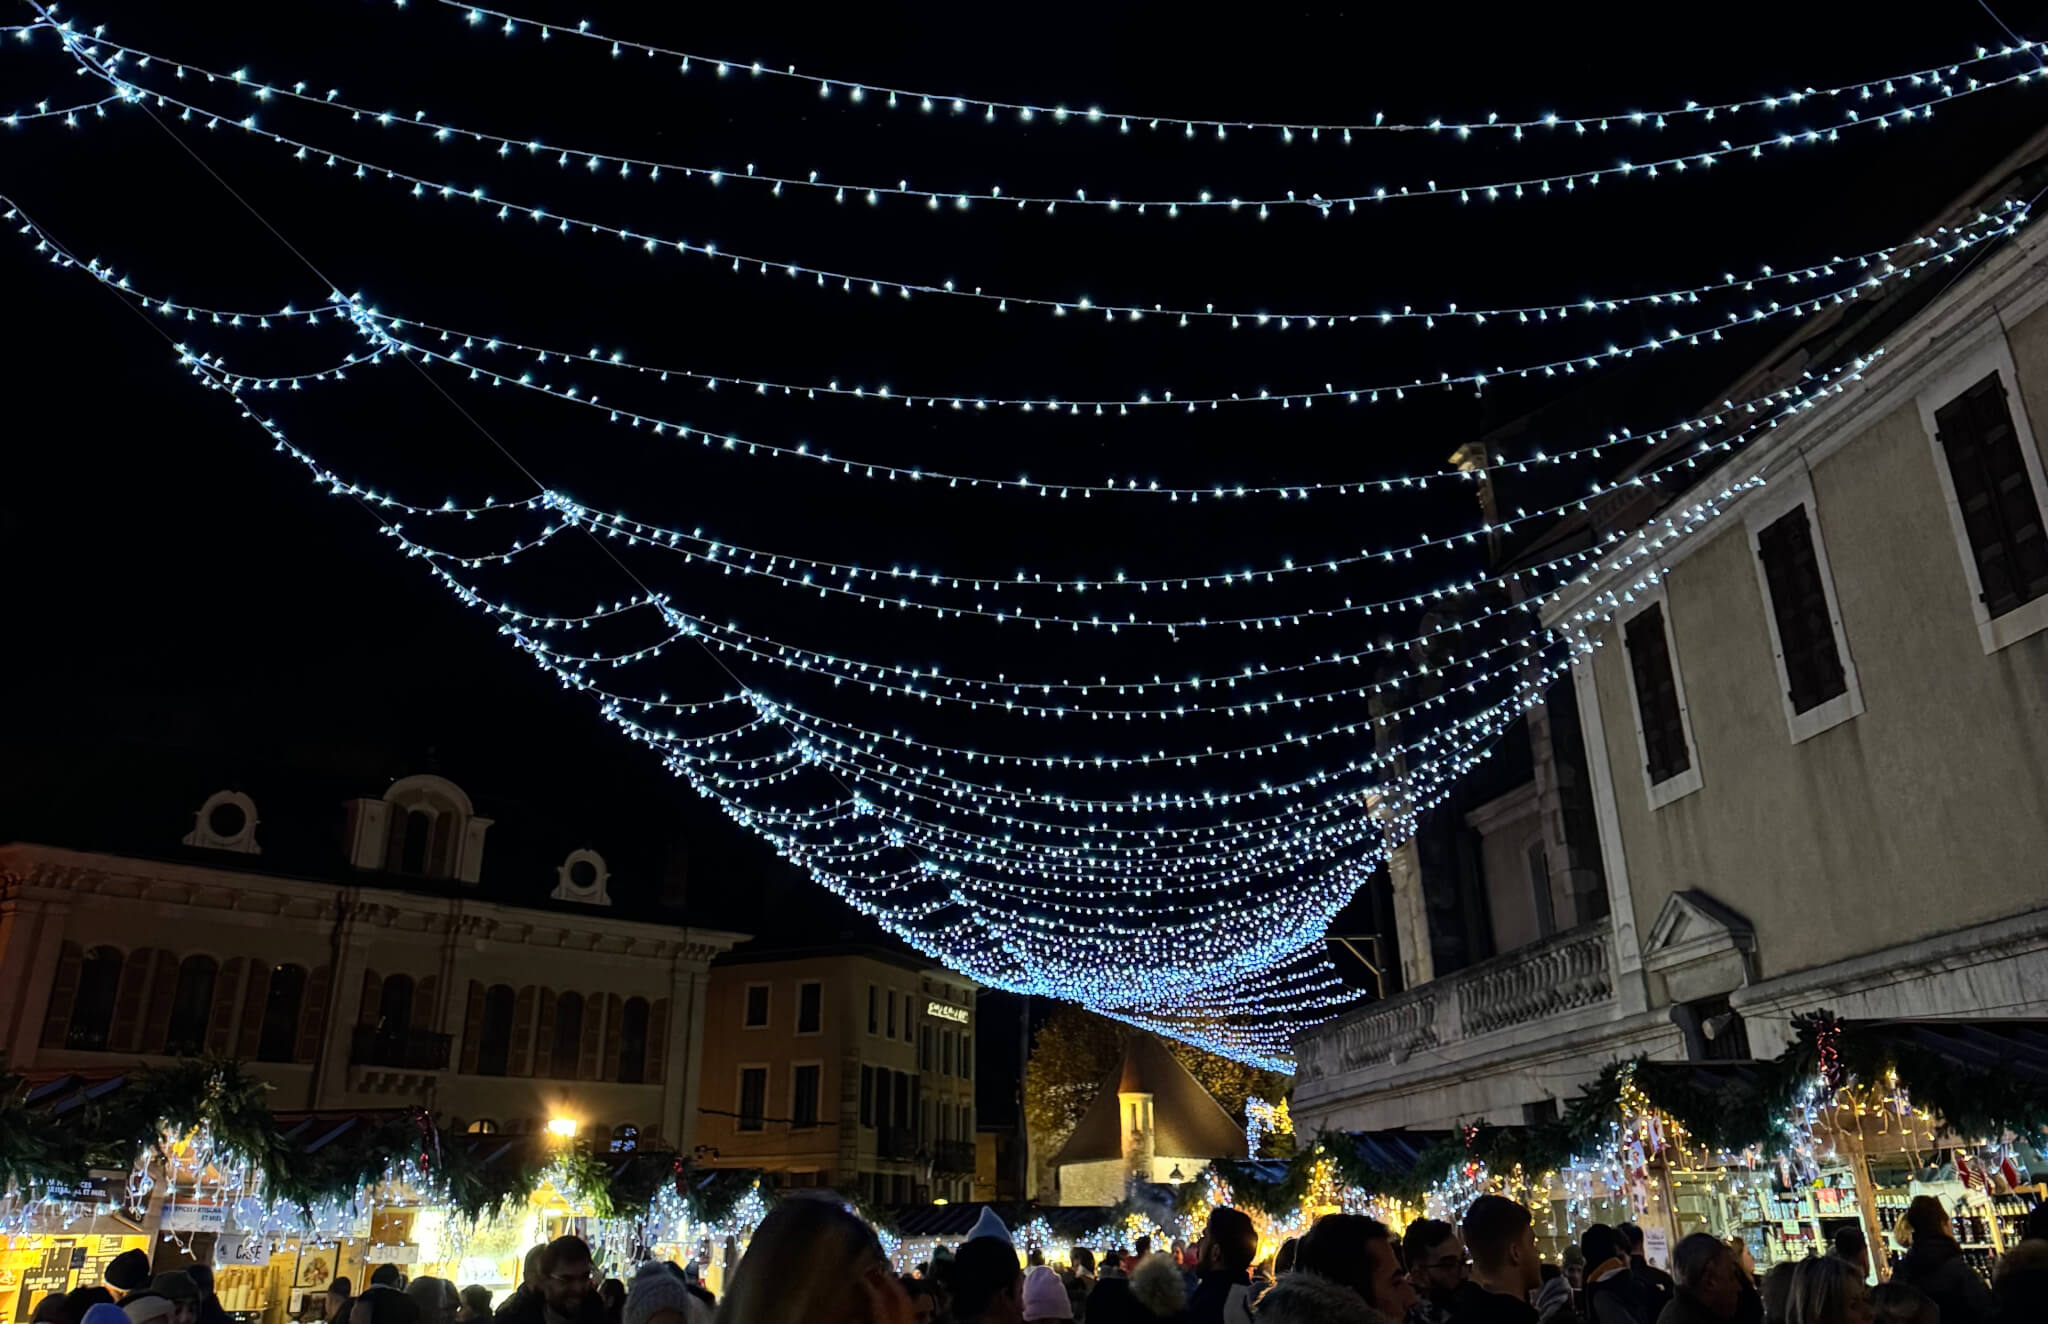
405	1050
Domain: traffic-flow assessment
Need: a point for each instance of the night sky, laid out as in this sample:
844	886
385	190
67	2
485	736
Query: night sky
173	583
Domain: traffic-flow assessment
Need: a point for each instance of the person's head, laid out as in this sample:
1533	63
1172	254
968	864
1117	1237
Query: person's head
1082	1259
1045	1296
381	1304
1500	1236
1436	1258
1143	1247
1035	1258
202	1278
565	1274
1927	1217
1777	1292
1229	1244
1707	1273
1599	1243
613	1294
1896	1303
530	1275
183	1293
924	1299
2036	1226
1573	1261
85	1298
56	1308
1360	1253
1158	1286
659	1294
476	1303
1631	1238
148	1307
987	1282
435	1299
103	1312
1284	1259
128	1271
812	1260
1849	1244
1828	1291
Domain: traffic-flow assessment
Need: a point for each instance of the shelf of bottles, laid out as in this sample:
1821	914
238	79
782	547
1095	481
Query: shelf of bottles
1970	1217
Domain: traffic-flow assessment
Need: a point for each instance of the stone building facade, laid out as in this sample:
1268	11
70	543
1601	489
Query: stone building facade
389	983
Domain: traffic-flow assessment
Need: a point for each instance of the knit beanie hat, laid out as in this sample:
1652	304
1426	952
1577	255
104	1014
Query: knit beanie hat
1045	1296
104	1314
143	1307
656	1288
128	1271
988	1225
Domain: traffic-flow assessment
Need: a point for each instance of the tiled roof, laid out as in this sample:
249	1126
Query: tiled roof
1187	1120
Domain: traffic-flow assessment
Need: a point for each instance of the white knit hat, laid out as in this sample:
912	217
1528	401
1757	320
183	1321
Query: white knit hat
655	1288
988	1225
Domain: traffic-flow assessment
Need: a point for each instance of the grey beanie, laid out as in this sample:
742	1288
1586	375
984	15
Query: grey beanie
655	1288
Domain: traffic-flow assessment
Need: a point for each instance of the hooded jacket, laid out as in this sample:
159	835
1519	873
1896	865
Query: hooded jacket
1301	1297
1936	1266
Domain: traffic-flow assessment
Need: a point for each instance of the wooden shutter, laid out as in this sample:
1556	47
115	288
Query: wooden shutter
472	1027
2001	514
614	1021
1649	659
517	1061
425	1015
63	992
163	994
124	1028
313	1016
544	1036
220	1025
254	1004
1799	606
371	1009
657	1041
588	1046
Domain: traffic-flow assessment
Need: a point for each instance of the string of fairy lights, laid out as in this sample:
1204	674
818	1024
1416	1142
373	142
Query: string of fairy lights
1036	828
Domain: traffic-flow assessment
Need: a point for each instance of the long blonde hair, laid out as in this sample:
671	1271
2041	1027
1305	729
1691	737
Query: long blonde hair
1822	1290
813	1262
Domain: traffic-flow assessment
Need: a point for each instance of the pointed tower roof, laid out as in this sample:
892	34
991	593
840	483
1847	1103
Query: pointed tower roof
1187	1120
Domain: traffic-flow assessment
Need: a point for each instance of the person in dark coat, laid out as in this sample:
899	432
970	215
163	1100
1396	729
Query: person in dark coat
1614	1295
1934	1263
1501	1238
1657	1284
210	1311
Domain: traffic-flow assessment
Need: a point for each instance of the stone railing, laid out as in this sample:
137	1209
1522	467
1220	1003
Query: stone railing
1562	973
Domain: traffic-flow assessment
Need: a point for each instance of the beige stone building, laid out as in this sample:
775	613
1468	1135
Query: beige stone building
848	1066
368	972
1815	727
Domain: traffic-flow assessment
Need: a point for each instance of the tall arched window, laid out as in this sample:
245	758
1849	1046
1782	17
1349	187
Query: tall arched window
394	1007
190	1007
494	1042
99	981
568	1035
633	1041
281	1014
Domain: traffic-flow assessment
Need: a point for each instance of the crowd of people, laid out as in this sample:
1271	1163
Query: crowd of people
813	1261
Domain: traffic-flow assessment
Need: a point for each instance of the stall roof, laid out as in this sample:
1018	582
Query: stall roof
957	1220
1394	1151
2018	1047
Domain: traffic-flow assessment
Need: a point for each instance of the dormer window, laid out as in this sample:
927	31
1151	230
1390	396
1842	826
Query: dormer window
227	821
582	877
422	827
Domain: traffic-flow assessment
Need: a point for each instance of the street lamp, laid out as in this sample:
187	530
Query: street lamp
562	1128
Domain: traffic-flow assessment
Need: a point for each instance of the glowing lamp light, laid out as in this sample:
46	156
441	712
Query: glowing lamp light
562	1128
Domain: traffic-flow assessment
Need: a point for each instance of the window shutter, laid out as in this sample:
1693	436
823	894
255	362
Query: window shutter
371	1009
522	1033
593	1038
254	1004
2001	514
544	1036
1799	607
425	1014
614	1030
313	1016
657	1040
1649	657
135	978
63	991
472	1027
220	1026
163	992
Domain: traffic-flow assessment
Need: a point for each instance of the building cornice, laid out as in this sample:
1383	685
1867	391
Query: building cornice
51	873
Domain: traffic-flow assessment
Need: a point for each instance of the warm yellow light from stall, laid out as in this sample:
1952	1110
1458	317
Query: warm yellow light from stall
562	1128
